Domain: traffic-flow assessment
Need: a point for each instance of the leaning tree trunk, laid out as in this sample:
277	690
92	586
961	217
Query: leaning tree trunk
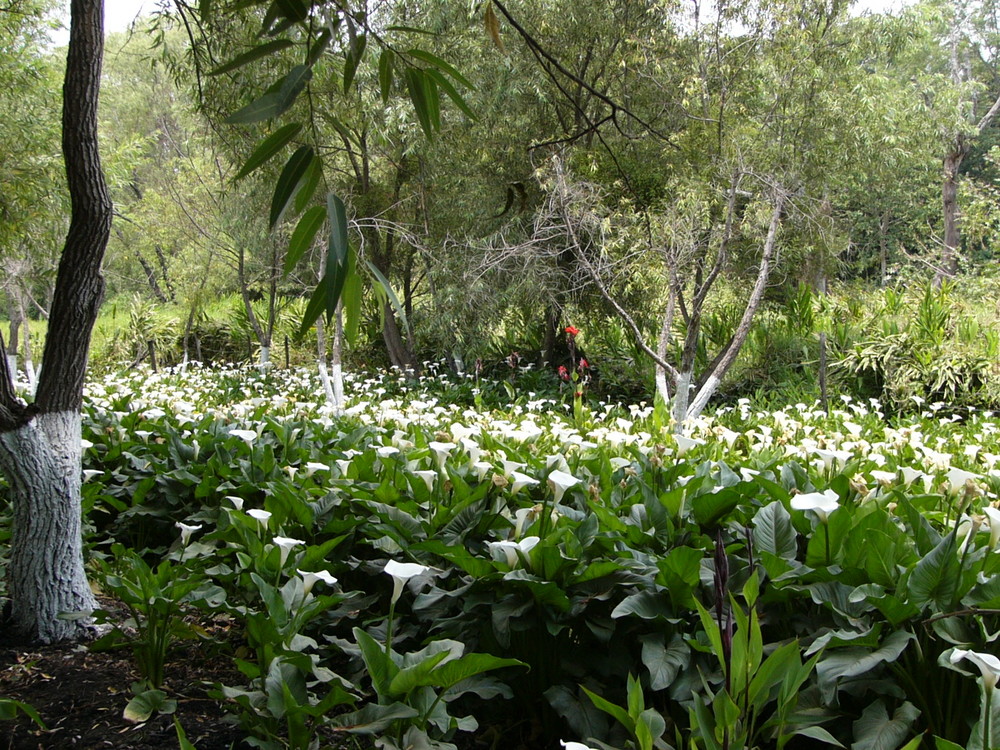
40	444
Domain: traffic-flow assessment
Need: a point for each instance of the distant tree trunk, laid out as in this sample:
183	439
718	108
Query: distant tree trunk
949	200
151	279
40	444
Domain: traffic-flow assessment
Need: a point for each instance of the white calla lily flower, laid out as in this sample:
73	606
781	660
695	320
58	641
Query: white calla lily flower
560	481
310	579
821	503
285	544
989	665
401	573
186	532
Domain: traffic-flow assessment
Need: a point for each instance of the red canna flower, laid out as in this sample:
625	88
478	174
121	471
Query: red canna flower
583	364
572	331
563	373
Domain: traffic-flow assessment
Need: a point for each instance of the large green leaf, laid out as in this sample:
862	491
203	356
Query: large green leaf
876	731
773	531
935	578
373	718
292	174
261	50
147	703
664	663
380	667
854	662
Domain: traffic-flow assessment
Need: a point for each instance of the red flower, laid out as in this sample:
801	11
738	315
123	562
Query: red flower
563	373
578	394
572	331
583	364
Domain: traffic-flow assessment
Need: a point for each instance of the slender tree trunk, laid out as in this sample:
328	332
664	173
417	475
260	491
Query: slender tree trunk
337	361
711	383
663	347
151	279
883	248
949	199
40	444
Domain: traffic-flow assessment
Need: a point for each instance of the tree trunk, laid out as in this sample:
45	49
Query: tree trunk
949	199
707	390
40	444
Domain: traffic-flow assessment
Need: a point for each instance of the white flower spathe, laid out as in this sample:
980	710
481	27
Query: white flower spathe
821	503
285	544
989	665
401	573
186	532
309	579
560	481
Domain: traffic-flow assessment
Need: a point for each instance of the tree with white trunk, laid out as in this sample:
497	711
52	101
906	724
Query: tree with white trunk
40	442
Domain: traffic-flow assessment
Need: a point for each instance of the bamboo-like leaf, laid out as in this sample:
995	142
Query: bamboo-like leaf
337	212
387	288
276	101
418	95
307	188
293	10
493	27
269	147
411	29
288	181
385	65
322	42
441	65
304	235
354	55
261	50
445	85
351	298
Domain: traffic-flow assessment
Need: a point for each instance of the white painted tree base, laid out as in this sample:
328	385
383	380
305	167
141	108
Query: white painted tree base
46	578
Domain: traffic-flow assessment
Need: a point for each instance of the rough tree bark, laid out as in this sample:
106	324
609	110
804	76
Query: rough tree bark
40	444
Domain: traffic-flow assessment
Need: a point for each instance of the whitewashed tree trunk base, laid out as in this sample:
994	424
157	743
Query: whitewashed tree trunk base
41	461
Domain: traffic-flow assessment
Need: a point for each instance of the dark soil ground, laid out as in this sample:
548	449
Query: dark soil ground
80	695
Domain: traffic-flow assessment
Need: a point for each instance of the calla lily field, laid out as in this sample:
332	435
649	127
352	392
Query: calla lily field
420	569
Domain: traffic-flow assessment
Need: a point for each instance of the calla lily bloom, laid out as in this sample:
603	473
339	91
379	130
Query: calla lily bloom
248	435
684	444
989	665
309	579
285	544
957	479
821	503
186	532
575	745
401	573
441	451
994	518
428	476
510	549
560	481
313	466
519	480
236	501
260	516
